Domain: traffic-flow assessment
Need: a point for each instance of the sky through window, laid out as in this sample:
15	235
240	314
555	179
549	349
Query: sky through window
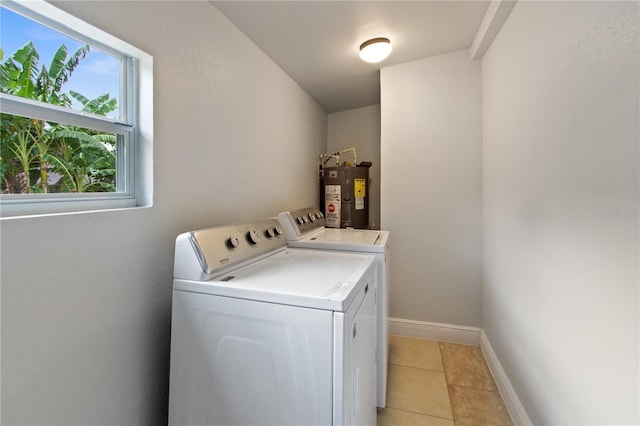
97	74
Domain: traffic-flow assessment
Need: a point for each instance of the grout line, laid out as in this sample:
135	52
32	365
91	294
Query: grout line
473	387
419	413
447	382
417	368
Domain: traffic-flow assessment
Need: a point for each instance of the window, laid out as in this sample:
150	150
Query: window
74	133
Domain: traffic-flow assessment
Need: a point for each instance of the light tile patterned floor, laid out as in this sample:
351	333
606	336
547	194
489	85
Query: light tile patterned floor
436	383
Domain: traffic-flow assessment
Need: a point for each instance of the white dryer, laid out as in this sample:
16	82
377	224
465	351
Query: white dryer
305	228
263	334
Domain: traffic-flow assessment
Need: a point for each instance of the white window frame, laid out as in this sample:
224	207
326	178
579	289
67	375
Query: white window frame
135	127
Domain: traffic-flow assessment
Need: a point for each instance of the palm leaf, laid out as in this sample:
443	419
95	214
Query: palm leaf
71	64
81	137
56	69
42	85
60	166
4	75
27	57
107	138
79	97
9	73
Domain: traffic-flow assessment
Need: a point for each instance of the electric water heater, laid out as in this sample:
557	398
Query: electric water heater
345	197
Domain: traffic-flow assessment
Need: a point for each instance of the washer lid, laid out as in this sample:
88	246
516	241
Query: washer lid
308	278
360	240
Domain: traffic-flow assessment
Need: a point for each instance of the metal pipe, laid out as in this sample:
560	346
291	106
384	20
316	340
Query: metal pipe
353	150
324	158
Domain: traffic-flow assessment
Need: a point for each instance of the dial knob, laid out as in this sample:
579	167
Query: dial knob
270	232
312	217
253	236
319	215
233	242
300	220
278	230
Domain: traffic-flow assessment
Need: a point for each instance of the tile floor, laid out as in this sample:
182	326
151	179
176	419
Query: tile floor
437	383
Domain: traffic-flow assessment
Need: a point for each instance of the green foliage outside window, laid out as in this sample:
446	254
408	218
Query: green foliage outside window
38	156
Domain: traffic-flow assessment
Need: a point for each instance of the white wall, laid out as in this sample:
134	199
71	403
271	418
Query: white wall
360	128
431	187
561	132
86	298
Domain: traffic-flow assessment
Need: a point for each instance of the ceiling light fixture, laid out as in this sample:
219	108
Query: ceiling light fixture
375	50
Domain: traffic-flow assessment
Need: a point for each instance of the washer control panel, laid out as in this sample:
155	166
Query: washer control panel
225	246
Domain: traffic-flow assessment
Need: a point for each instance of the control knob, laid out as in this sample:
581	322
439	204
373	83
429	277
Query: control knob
270	232
300	220
312	217
278	230
233	242
253	236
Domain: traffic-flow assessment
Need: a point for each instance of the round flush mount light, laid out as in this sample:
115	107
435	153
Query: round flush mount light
375	50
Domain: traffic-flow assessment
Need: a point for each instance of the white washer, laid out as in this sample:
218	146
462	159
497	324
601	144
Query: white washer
305	228
263	334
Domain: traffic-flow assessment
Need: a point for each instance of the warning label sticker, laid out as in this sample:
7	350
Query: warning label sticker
332	206
359	191
359	187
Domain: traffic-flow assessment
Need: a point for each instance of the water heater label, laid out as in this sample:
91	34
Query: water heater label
359	187
359	191
332	205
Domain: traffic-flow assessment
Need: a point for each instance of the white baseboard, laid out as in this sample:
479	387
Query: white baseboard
466	336
511	400
435	331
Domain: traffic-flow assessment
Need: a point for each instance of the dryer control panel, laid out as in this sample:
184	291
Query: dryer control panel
298	223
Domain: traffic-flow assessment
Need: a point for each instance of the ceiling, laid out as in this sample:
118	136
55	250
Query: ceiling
316	42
